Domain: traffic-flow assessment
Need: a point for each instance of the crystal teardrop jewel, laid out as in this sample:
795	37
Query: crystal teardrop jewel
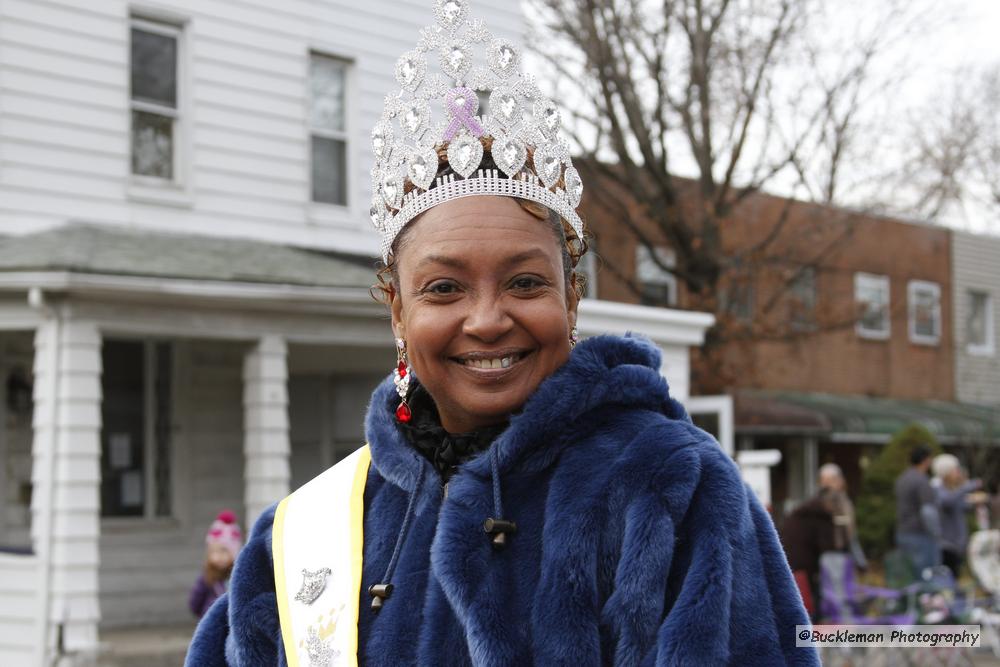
401	379
464	154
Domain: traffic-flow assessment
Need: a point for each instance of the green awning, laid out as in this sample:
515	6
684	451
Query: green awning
849	418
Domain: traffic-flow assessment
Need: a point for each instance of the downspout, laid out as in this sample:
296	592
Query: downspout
36	300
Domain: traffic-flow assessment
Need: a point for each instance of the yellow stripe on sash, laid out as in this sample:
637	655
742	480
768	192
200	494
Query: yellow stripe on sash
358	536
280	585
324	488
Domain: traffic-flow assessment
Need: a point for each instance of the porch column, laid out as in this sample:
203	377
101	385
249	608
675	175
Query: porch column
266	444
66	481
675	365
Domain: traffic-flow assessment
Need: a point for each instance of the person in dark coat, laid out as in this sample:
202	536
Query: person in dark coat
918	518
806	534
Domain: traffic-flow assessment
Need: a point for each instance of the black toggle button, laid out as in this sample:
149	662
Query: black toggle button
499	529
379	592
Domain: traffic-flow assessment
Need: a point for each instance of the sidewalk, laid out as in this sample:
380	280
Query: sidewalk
159	646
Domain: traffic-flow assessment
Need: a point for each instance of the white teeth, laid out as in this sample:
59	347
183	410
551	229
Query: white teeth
489	364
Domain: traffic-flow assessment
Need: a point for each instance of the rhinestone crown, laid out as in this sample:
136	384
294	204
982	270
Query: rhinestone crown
406	138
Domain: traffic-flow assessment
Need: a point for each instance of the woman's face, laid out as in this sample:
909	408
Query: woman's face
483	306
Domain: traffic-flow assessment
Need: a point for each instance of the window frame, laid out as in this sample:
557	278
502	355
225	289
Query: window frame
179	190
665	278
883	282
912	288
807	321
988	347
149	491
323	211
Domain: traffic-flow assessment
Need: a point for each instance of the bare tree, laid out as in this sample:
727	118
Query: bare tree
953	170
741	95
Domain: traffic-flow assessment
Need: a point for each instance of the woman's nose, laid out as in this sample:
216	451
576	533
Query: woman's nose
487	319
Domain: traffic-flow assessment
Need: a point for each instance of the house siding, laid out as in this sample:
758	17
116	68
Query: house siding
976	261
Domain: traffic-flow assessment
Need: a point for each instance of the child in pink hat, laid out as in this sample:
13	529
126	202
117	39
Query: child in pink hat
222	543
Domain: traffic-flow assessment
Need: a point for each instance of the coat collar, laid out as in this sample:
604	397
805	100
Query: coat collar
601	371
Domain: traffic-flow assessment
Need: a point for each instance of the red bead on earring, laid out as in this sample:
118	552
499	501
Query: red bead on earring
401	378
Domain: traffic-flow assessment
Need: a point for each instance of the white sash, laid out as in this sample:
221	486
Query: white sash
320	528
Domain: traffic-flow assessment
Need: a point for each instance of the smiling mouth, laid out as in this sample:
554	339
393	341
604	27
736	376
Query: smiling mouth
492	363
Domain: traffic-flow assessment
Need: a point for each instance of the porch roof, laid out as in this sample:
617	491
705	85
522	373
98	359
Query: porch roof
849	418
107	250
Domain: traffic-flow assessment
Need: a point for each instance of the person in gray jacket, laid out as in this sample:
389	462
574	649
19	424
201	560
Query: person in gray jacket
918	521
953	489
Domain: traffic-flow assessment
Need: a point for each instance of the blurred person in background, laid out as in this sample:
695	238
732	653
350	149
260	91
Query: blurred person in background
222	544
846	533
955	499
807	533
822	523
918	521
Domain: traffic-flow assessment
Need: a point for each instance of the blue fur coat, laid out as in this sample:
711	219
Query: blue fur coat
637	543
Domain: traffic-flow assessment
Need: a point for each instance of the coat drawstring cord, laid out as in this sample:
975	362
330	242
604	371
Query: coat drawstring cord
496	526
381	592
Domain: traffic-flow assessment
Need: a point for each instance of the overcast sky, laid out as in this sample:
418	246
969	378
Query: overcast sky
972	38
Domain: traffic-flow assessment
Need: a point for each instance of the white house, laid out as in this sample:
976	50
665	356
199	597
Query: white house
185	258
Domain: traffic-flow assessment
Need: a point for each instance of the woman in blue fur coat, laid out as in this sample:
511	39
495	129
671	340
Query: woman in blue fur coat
529	501
636	542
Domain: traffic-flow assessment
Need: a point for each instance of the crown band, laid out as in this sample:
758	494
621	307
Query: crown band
484	182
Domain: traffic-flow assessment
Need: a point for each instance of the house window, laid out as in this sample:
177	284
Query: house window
657	286
871	293
802	299
925	312
979	334
155	100
135	432
328	128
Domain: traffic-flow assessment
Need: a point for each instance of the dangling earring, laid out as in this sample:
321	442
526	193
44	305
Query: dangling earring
574	337
401	378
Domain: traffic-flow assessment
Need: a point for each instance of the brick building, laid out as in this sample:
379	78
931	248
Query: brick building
830	339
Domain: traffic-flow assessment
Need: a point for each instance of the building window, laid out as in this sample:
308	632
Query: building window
871	294
802	299
737	297
155	100
979	334
135	432
657	286
925	312
328	128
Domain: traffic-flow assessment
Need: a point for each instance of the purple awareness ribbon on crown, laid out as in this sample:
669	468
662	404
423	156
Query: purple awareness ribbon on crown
462	104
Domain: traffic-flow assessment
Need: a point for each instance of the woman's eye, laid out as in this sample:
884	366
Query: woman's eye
442	288
525	283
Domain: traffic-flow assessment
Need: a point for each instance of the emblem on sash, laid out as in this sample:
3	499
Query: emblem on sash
319	650
313	583
319	642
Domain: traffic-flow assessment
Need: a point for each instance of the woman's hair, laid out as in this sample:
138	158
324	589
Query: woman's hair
572	247
944	464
